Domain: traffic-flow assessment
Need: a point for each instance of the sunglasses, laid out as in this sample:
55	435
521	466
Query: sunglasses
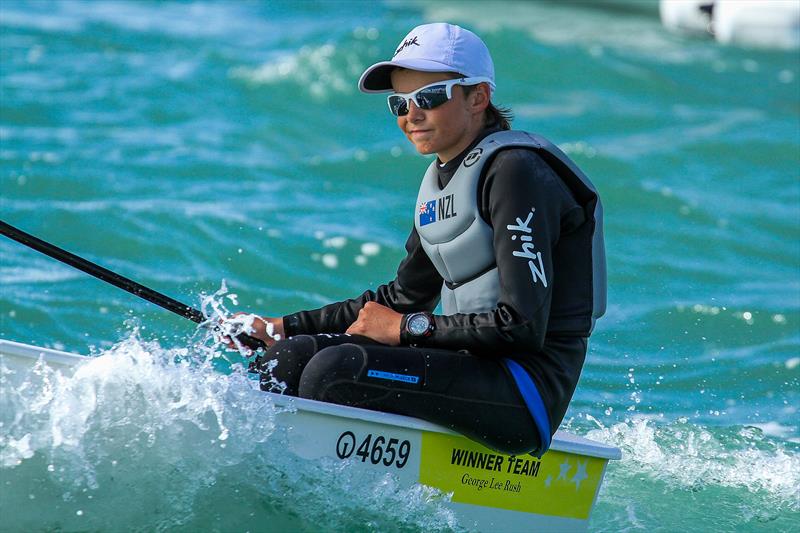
430	96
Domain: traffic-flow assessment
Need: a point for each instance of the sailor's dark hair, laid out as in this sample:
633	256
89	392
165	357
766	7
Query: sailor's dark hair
495	116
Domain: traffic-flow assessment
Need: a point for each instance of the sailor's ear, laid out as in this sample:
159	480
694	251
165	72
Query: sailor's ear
480	97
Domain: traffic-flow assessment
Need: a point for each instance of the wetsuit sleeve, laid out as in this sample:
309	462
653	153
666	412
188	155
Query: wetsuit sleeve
529	208
416	287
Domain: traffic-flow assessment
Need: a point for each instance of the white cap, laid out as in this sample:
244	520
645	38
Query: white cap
437	47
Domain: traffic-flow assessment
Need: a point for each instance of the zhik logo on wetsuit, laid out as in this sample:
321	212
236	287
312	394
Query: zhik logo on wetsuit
527	247
428	210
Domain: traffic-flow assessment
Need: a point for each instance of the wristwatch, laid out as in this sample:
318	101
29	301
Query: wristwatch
416	326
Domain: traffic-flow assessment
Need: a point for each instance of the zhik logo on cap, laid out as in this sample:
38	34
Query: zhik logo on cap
406	44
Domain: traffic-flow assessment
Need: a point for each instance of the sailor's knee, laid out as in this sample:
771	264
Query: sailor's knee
299	344
300	347
282	363
330	366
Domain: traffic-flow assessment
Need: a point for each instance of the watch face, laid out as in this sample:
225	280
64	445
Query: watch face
418	325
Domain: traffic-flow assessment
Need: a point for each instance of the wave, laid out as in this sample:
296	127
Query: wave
186	438
687	466
321	70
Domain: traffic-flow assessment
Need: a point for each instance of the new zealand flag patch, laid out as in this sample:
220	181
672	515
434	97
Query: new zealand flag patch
427	213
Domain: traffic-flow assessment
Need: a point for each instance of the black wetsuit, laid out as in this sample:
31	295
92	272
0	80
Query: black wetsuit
461	381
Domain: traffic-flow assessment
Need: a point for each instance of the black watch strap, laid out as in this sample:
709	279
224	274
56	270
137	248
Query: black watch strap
403	332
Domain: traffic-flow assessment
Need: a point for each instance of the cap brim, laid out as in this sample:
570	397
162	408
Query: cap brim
377	78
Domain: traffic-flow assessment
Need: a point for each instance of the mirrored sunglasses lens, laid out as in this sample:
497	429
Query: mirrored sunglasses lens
398	105
431	97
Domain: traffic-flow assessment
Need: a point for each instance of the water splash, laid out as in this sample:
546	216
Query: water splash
153	395
164	425
222	327
692	467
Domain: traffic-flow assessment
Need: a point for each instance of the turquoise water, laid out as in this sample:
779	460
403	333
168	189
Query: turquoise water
185	143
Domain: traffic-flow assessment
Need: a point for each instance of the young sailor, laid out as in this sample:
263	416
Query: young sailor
507	235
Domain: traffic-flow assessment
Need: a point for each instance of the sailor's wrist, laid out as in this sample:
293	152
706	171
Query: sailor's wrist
421	327
291	325
403	333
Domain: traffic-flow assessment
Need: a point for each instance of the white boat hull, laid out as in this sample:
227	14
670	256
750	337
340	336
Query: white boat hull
489	491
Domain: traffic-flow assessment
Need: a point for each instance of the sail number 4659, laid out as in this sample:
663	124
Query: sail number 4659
376	449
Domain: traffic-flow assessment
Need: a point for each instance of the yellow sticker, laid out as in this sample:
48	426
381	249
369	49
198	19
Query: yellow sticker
560	484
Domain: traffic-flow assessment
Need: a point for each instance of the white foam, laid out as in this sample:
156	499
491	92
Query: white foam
139	386
166	423
312	68
690	456
370	248
330	260
337	242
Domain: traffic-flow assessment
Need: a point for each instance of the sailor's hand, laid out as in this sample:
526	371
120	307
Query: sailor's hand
267	329
379	323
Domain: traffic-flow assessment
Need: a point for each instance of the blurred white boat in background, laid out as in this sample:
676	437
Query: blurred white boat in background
756	23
